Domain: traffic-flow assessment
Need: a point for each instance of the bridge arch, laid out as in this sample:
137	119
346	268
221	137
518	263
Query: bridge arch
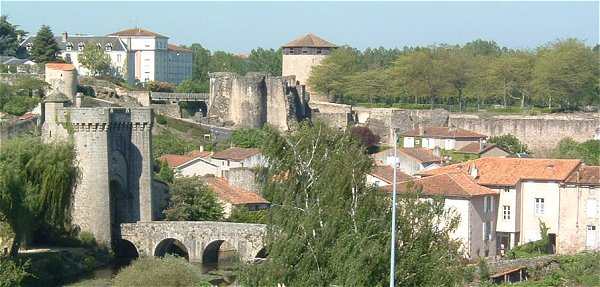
219	251
125	249
171	246
262	253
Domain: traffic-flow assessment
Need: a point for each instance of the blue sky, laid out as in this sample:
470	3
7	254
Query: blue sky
241	26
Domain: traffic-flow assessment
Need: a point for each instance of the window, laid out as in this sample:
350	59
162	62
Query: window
592	208
28	46
506	212
539	206
118	57
507	189
488	204
108	47
487	230
80	46
591	237
69	46
318	51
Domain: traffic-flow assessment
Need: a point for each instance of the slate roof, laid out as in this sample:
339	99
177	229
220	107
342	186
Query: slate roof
232	194
310	40
586	175
137	32
442	132
475	148
236	153
446	185
117	44
497	171
386	173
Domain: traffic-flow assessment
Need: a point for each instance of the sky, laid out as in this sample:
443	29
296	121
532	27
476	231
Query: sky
239	27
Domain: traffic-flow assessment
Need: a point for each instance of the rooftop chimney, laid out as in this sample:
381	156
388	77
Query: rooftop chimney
201	148
473	172
65	37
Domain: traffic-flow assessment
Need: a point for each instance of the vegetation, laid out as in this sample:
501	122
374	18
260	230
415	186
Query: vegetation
533	248
95	60
36	181
20	97
328	227
156	86
243	214
510	143
192	200
588	151
13	272
165	173
365	136
152	271
167	143
44	47
9	42
561	74
249	138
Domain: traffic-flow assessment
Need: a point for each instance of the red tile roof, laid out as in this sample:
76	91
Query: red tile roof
178	48
586	175
475	148
60	66
231	194
310	40
497	171
442	132
447	185
421	154
175	160
136	32
236	153
386	173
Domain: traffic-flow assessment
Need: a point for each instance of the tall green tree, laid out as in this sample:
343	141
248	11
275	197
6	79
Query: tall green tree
564	71
328	227
511	74
192	200
265	60
330	77
201	61
36	182
9	37
95	60
44	47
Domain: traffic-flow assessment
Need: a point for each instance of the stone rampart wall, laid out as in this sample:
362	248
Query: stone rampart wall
10	129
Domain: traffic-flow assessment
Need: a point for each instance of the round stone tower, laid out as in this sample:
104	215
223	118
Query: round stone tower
62	77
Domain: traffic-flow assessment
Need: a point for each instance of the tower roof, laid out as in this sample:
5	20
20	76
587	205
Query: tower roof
137	32
310	40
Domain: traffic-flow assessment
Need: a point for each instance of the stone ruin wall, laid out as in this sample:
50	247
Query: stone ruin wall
253	100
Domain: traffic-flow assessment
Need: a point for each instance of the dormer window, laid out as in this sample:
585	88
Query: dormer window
69	46
28	46
80	46
108	47
99	45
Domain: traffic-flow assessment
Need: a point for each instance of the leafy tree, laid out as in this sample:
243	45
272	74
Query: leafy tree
168	143
511	74
244	215
200	67
165	173
369	86
36	181
28	85
226	62
588	151
9	37
328	227
510	143
564	71
96	60
249	138
192	86
157	86
329	78
482	47
458	71
44	47
265	60
191	200
13	272
365	136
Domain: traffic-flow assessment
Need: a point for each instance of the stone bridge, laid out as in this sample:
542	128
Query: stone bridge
179	97
198	241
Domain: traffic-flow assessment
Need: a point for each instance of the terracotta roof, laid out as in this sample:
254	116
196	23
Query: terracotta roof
498	171
475	148
236	153
231	194
421	154
60	66
587	175
137	32
386	173
175	160
442	132
448	185
178	48
310	40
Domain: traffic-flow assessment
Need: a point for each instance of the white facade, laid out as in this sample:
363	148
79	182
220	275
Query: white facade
227	164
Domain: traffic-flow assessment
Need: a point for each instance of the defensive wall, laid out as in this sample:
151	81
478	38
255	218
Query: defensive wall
11	128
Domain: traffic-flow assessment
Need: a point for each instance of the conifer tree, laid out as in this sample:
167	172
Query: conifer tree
44	47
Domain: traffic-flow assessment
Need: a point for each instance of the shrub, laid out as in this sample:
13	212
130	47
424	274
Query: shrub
484	271
156	86
167	271
248	138
13	273
192	200
160	119
365	136
87	239
244	215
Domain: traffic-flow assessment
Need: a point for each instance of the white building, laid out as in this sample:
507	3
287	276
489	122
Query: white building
136	54
447	138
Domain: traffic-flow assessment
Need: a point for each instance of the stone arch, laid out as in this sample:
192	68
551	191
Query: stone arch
262	253
121	199
219	251
125	250
171	246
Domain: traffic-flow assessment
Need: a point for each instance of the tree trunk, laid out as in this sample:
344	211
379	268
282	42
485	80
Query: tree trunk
460	100
16	244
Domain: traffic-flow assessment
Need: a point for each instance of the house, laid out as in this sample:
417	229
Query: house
561	193
447	138
195	163
136	54
481	149
237	157
384	175
475	205
410	160
230	196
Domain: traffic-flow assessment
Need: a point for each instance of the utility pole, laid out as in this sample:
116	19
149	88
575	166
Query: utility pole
393	245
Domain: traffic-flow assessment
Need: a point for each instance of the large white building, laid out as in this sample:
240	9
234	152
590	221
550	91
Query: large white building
136	55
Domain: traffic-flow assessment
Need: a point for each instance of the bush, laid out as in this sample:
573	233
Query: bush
365	136
483	269
87	239
244	215
249	138
160	119
18	105
13	273
192	200
510	143
156	86
167	271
